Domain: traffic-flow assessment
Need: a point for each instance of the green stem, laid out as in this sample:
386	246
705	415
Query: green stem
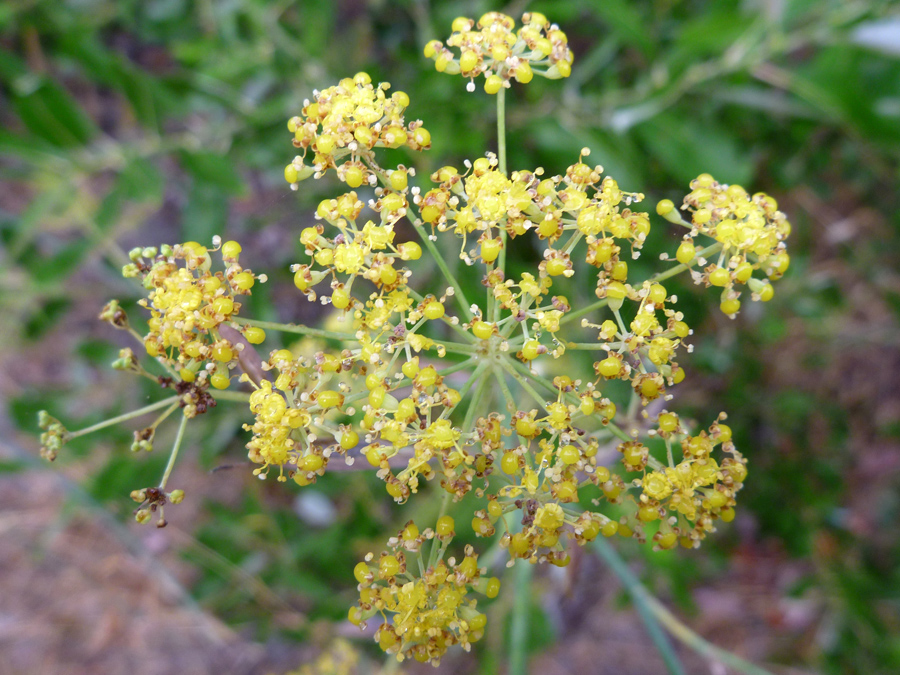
617	431
174	454
476	398
656	614
445	270
698	644
641	599
589	346
471	382
419	226
662	276
500	374
236	396
457	348
524	372
294	328
122	418
515	324
162	418
501	130
462	365
501	159
518	639
508	367
418	297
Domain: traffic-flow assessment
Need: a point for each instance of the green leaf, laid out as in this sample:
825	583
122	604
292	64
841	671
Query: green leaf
711	33
43	106
206	213
45	318
212	169
687	148
143	91
628	23
141	180
63	263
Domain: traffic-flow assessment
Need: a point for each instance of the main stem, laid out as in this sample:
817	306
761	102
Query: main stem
518	639
656	616
501	158
641	599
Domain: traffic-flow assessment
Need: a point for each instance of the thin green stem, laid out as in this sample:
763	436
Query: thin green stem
445	270
518	639
508	367
513	325
174	454
504	387
419	226
658	614
471	382
462	365
162	418
476	398
699	645
124	417
587	346
620	322
501	159
295	328
501	130
662	276
523	370
492	307
418	297
618	432
235	396
641	599
457	348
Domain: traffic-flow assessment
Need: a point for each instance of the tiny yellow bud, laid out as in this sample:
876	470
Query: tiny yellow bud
493	84
254	335
445	526
433	310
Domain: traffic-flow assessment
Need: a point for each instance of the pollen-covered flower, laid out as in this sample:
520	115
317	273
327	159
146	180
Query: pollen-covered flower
491	47
751	234
295	414
345	123
425	610
188	303
697	490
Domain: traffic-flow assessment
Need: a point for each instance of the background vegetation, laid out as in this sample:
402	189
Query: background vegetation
126	122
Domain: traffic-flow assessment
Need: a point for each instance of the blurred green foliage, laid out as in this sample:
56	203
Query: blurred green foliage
126	122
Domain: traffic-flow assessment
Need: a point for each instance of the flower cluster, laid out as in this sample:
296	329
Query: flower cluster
516	398
750	232
345	123
291	412
342	658
431	607
153	500
188	303
54	435
499	53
